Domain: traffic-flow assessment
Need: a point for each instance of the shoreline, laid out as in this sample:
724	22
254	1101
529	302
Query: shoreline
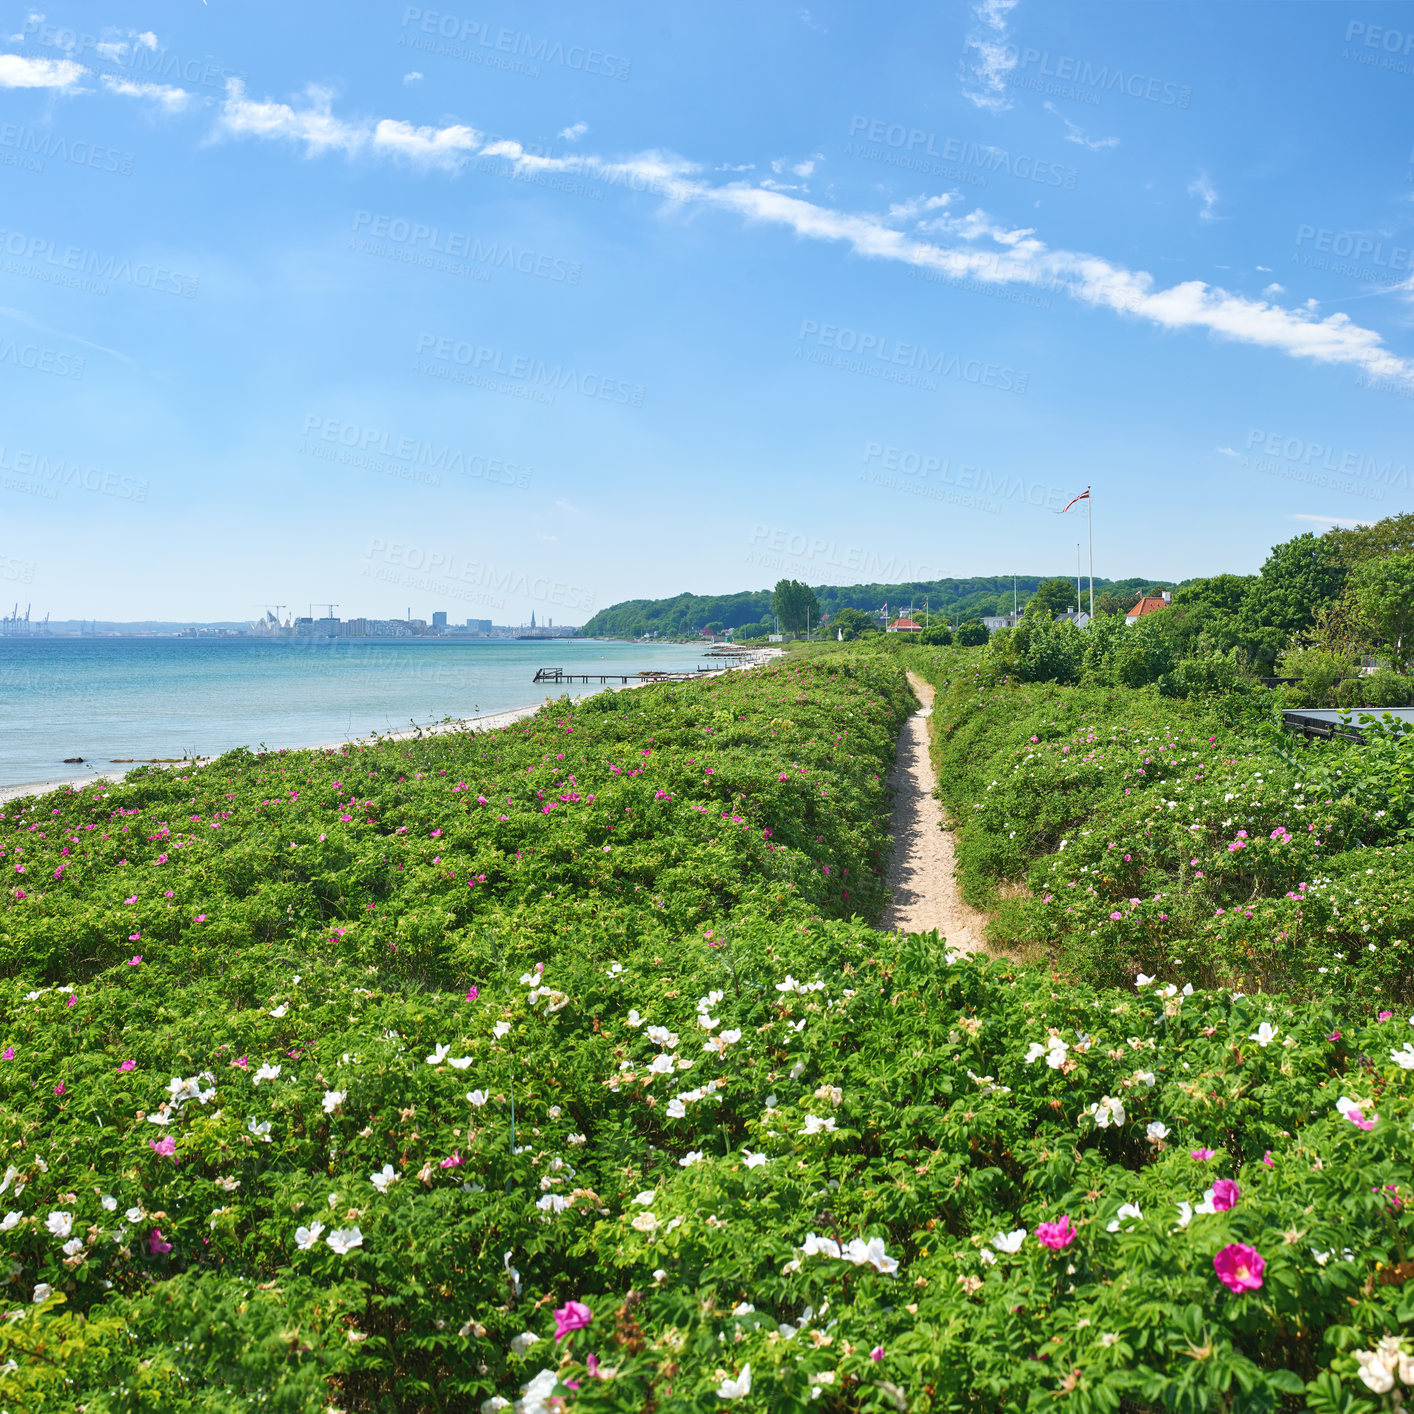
486	721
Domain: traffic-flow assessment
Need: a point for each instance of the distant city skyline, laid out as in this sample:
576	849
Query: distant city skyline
310	302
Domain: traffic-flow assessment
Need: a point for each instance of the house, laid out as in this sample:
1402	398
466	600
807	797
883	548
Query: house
995	621
1147	606
1078	617
904	626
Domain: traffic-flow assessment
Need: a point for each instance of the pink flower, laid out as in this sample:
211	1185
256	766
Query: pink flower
1202	1155
155	1244
877	1353
201	918
1334	1036
472	994
572	1316
1225	1194
127	1065
166	1147
133	937
8	1053
1385	1015
453	1160
134	960
1357	1118
72	1000
1240	1267
59	1088
1267	1159
131	900
1057	1234
242	1062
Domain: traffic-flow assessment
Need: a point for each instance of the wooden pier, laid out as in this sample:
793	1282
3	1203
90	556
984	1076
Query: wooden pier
560	675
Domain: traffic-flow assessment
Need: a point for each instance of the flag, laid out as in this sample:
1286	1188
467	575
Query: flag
1083	496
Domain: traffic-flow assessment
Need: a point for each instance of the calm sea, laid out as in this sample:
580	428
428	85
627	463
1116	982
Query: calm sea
106	699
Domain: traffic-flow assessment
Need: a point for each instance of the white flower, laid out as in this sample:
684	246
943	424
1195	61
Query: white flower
438	1055
552	1203
662	1064
634	1019
870	1254
676	1109
333	1099
385	1176
1145	1077
1010	1241
815	1125
134	1215
705	1021
10	1220
279	1010
1157	1130
522	1342
753	1160
737	1388
42	1292
615	968
344	1239
61	1224
694	1156
536	1396
661	1036
494	1405
645	1198
814	1246
1185	1214
1126	1210
261	1130
789	985
266	1072
1404	1058
1264	1035
1142	981
477	1097
645	1222
11	1173
500	1029
73	1247
306	1237
1108	1111
557	1002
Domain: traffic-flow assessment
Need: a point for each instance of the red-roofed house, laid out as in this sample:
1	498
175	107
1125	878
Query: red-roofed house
904	626
1147	606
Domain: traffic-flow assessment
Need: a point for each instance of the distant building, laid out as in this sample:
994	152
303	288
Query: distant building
1147	606
479	625
996	621
1078	617
439	618
904	626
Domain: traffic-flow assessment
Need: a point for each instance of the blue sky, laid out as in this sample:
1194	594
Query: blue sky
507	308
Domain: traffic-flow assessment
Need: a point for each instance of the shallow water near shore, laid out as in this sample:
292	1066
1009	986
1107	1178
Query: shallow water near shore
128	700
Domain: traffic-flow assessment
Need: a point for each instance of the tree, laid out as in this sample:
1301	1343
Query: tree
1392	536
972	634
795	605
715	627
1052	596
1298	577
853	622
937	636
1110	603
1383	590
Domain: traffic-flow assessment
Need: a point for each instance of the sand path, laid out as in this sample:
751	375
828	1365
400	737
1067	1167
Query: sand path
925	893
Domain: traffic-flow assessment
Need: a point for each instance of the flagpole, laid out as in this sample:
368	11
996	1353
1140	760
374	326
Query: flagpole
1090	526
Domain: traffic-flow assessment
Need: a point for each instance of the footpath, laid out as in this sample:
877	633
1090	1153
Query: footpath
925	894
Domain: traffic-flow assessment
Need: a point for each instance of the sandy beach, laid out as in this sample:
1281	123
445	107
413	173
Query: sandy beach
486	722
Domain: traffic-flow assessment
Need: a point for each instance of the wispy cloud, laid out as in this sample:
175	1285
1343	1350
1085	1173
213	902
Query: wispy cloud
574	132
172	99
31	322
1226	452
1273	290
1204	190
987	57
1075	133
18	72
1327	520
413	78
927	233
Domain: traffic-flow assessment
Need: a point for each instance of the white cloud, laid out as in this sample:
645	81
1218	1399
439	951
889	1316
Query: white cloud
1327	520
574	132
967	244
563	505
987	57
33	323
172	99
1265	269
1204	190
1274	289
551	539
735	167
1226	452
1075	133
809	21
18	72
412	78
147	39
